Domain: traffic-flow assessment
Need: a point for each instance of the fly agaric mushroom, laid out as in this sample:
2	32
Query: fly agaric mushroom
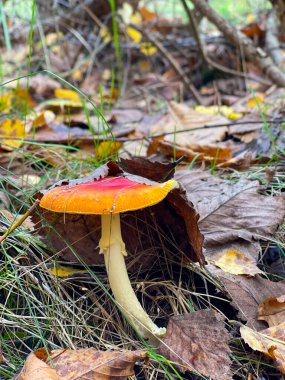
116	192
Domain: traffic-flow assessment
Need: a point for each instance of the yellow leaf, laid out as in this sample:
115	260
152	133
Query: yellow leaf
235	262
5	103
43	118
218	110
12	128
136	19
234	115
135	35
61	93
64	271
51	38
250	18
270	341
254	101
76	75
147	48
105	34
18	98
107	149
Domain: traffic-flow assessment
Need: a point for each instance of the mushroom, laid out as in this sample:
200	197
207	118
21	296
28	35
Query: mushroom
116	192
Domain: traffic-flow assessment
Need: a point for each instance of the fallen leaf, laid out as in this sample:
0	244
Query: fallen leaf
157	171
147	15
17	99
134	34
248	130
12	128
125	116
35	368
231	211
148	48
183	117
255	101
136	18
272	310
42	86
202	140
82	364
61	93
105	34
198	342
218	110
270	341
208	154
107	149
43	118
235	262
246	293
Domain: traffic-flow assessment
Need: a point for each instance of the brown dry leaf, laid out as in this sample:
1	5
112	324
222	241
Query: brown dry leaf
235	262
42	86
272	310
270	341
35	368
83	364
199	153
249	130
181	117
198	342
231	211
124	116
233	217
246	293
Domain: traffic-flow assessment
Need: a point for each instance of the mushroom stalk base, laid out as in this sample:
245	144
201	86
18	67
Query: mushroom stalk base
113	247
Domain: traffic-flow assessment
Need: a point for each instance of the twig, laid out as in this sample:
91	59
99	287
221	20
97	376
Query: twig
207	59
251	52
19	221
147	137
271	38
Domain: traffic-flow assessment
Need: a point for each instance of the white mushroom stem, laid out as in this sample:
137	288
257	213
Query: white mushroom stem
113	247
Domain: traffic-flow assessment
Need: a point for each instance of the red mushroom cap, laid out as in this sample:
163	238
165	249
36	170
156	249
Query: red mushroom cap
105	196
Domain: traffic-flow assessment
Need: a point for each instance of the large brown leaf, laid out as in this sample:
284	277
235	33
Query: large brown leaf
83	364
246	293
198	342
194	140
272	310
182	117
231	211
